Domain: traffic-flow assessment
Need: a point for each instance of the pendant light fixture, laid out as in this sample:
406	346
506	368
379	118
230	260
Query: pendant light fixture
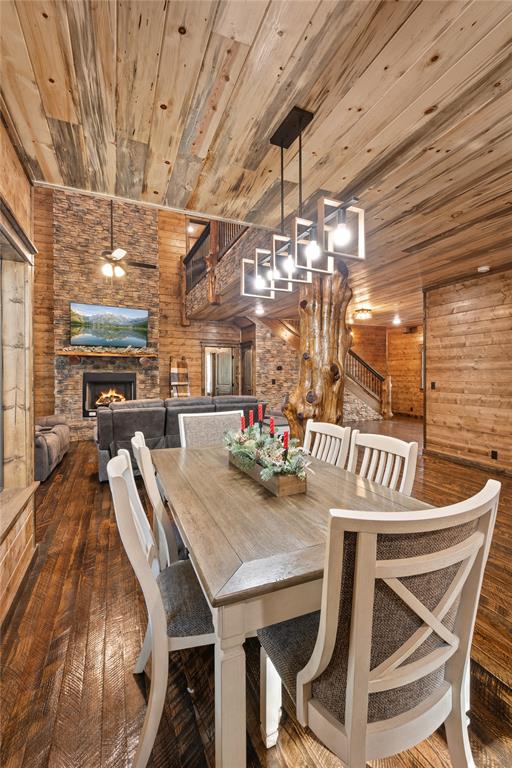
311	246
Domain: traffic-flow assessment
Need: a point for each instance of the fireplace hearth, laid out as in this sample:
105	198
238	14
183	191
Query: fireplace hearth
101	389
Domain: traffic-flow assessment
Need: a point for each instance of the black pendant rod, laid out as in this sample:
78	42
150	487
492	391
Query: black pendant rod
300	174
111	225
282	189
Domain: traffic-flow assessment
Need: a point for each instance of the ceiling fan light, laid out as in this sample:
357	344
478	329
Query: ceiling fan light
118	254
119	271
108	270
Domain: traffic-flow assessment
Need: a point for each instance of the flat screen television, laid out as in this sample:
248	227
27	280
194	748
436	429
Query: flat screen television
93	325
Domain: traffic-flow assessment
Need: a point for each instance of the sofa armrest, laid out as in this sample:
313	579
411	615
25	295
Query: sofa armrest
50	421
105	428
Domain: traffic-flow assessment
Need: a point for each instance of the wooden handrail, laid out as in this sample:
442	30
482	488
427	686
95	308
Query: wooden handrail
366	365
215	240
363	373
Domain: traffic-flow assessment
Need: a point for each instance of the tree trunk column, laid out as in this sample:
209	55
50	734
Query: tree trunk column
324	342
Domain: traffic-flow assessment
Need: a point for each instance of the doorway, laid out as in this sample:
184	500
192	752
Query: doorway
220	370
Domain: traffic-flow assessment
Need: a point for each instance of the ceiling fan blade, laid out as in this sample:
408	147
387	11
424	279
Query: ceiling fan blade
140	264
118	254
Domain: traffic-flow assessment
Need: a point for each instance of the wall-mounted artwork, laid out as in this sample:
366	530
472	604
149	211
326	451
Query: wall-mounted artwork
99	326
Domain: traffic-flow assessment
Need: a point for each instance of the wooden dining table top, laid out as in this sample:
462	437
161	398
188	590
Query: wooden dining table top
245	542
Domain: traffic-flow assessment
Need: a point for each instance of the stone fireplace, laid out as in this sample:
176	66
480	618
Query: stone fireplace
101	389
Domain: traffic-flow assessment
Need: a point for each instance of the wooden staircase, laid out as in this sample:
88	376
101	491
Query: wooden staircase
362	380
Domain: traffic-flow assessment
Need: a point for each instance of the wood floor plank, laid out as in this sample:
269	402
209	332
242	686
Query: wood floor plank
69	697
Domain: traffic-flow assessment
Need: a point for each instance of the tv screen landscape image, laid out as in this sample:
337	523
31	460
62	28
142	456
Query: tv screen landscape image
93	325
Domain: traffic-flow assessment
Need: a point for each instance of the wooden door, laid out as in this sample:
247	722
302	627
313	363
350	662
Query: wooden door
223	372
247	368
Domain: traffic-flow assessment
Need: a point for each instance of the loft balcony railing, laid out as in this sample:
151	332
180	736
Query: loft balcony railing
215	240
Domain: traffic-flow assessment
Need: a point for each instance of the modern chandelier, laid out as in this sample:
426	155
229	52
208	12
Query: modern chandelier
311	246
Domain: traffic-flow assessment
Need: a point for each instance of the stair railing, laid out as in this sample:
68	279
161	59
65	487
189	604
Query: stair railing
363	373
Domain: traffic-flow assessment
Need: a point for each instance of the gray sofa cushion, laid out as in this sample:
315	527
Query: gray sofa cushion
149	402
50	421
148	420
232	399
187	402
104	428
52	438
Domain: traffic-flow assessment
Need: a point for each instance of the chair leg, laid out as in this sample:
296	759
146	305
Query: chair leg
140	664
270	701
467	688
157	692
457	729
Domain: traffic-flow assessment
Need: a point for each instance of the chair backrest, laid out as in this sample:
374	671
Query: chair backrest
327	442
385	459
399	601
162	526
203	430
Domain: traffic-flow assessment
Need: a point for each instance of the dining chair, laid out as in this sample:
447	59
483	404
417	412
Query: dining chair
204	430
384	460
178	614
383	663
166	534
327	442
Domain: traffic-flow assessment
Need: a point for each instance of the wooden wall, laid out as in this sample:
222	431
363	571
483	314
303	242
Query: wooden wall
17	540
369	342
469	357
404	366
15	186
44	345
176	339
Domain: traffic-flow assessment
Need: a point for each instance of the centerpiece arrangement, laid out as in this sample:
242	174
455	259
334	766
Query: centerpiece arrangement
279	464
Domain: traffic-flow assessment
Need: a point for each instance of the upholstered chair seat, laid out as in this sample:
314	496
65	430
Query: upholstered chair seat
184	602
290	644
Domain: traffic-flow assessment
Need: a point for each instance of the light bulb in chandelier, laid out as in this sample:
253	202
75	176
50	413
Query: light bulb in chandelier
273	274
342	235
119	271
290	264
312	250
108	270
259	282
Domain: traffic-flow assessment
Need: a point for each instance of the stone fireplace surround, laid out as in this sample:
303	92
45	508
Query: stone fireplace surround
81	230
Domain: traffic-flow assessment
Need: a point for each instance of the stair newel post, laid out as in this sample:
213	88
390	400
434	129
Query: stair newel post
211	263
324	341
387	387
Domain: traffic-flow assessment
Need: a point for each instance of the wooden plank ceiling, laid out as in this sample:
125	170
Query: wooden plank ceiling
173	102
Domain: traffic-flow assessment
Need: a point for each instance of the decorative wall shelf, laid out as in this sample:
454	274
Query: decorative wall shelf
79	353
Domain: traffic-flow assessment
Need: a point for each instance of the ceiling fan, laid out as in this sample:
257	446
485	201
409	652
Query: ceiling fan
112	256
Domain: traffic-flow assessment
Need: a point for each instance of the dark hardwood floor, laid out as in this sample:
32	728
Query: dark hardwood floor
69	697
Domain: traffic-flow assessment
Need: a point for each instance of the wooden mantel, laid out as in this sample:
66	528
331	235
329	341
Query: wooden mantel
80	353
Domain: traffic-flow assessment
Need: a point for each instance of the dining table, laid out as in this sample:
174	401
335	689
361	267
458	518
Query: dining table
259	558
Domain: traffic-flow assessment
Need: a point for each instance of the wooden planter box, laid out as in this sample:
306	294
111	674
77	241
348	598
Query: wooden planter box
279	485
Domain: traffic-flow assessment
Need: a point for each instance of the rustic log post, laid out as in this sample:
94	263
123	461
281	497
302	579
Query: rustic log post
183	294
211	263
324	341
387	387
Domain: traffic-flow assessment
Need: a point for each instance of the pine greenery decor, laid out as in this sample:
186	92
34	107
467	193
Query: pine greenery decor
254	446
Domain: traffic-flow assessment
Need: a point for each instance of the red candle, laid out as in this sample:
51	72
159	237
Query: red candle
260	412
272	426
251	418
285	441
242	423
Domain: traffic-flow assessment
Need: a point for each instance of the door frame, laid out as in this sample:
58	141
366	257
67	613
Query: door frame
236	357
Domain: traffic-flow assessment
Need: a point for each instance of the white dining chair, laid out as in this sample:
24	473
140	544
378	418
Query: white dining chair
205	430
165	532
385	459
178	614
384	662
327	442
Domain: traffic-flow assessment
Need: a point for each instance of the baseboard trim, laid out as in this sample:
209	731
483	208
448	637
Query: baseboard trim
467	462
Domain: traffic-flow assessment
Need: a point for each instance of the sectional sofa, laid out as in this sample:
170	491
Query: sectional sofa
157	420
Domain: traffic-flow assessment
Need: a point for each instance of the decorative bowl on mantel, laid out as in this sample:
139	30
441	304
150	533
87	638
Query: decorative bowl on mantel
279	465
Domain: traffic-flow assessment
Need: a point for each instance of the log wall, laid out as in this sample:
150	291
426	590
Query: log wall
469	359
404	366
369	342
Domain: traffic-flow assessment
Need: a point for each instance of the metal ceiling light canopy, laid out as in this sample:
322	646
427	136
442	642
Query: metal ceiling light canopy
291	127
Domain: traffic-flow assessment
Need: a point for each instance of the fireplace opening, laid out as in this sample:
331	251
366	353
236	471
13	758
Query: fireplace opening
101	389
